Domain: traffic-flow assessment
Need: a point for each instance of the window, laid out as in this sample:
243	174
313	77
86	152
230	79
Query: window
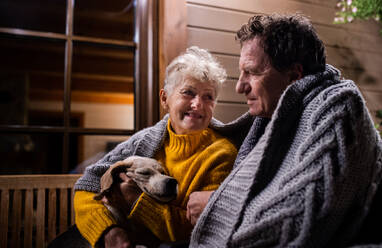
76	78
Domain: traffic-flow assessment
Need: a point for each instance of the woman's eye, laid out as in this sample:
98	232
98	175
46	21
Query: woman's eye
209	97
188	93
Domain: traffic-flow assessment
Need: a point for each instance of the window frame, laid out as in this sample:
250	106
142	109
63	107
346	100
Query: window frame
146	109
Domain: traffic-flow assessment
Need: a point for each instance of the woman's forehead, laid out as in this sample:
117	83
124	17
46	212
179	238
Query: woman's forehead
196	84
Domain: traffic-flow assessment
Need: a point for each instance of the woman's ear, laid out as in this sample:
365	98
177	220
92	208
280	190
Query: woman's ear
295	72
163	99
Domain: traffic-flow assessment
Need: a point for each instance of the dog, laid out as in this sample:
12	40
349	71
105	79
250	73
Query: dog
149	176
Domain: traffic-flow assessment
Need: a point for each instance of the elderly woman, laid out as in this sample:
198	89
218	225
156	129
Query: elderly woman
184	142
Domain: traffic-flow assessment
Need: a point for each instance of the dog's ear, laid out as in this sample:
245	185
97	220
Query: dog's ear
112	174
99	196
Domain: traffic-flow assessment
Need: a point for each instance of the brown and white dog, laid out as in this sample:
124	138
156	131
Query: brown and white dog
147	173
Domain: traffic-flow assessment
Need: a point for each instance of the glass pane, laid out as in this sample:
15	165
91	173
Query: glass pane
104	19
31	81
37	15
30	153
103	86
88	149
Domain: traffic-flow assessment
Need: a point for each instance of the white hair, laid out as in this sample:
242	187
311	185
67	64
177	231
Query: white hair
195	63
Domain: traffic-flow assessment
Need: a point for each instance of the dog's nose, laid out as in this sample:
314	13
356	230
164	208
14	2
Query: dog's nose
172	186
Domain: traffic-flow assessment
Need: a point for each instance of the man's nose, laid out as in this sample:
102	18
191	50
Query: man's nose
242	87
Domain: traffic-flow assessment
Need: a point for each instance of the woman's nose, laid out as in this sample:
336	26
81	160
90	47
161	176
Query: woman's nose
196	102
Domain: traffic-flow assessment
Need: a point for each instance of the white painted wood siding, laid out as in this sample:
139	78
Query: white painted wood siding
356	49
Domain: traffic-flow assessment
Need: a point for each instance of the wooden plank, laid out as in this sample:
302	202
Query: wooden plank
214	41
52	198
229	94
211	18
361	67
321	14
72	215
28	218
335	35
365	80
40	218
63	225
338	37
373	100
16	218
38	181
230	63
227	112
4	218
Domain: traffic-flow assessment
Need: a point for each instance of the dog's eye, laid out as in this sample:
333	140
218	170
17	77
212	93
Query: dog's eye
143	171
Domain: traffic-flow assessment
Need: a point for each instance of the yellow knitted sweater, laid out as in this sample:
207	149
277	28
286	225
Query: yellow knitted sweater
198	161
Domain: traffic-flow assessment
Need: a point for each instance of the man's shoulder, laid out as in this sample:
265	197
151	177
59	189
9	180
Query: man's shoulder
345	92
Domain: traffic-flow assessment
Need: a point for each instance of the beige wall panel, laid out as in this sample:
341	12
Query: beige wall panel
208	17
373	99
214	41
215	18
362	67
373	102
364	79
227	112
350	58
327	3
319	13
334	36
229	94
230	63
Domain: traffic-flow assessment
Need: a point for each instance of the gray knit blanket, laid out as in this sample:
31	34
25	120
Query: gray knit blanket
150	140
307	180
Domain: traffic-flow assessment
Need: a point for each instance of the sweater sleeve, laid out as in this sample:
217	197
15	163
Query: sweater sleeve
327	194
167	222
92	217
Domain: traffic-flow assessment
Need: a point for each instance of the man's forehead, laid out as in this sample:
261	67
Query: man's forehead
252	55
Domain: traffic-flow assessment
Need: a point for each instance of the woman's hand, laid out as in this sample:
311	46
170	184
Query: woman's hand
196	203
117	237
125	194
129	190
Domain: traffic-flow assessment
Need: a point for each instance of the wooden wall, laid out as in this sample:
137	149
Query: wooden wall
356	48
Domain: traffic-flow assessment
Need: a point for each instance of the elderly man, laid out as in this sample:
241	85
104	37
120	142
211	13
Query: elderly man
307	171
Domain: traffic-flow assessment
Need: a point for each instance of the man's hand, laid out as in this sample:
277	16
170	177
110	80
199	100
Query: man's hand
117	237
197	202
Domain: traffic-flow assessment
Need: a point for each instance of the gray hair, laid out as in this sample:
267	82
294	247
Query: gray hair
195	63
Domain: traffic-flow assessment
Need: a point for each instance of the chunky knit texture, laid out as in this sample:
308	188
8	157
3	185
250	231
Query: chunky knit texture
308	181
198	161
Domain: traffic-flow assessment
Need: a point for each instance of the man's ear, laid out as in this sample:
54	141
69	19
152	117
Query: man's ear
295	72
163	99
